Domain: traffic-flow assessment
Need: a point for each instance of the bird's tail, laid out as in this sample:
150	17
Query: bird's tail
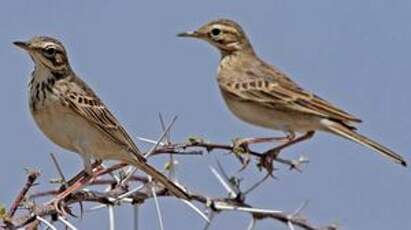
350	134
161	178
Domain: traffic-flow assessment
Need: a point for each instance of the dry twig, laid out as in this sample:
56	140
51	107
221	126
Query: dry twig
120	192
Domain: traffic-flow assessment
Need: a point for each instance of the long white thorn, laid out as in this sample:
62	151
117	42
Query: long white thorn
68	224
257	184
158	210
44	221
112	225
290	225
160	140
211	215
124	195
149	141
97	207
227	187
226	178
59	170
163	127
153	148
301	208
197	210
229	207
135	215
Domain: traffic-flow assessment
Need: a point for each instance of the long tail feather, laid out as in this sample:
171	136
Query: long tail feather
350	134
159	177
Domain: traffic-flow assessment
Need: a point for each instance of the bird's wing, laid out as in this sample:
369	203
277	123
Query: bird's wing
271	88
83	101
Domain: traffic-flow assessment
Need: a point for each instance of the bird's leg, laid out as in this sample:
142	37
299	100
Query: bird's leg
268	156
83	173
295	140
85	177
243	143
241	146
259	140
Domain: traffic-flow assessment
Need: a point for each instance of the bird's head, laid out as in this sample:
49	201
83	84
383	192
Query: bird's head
225	34
47	52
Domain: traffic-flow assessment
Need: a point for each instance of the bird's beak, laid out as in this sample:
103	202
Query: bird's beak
191	34
22	45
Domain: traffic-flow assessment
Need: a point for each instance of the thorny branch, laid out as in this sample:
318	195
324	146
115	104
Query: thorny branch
239	151
119	193
31	178
138	197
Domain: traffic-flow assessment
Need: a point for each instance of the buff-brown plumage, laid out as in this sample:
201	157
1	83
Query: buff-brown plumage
71	114
261	94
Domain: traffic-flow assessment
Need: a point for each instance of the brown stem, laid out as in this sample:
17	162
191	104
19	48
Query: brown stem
31	178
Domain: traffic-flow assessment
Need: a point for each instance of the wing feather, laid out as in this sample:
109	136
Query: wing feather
83	101
275	90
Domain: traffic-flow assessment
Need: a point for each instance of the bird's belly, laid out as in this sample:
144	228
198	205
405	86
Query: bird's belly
72	132
271	118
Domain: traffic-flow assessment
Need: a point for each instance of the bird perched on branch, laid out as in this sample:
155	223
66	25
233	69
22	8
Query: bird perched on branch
260	94
71	115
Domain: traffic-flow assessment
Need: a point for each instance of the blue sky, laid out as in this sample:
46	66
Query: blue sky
356	54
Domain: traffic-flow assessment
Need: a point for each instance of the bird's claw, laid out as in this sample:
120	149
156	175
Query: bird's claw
267	160
241	151
59	207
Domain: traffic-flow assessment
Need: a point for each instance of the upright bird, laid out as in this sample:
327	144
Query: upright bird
260	94
72	116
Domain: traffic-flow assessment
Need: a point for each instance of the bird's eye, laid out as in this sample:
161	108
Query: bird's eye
49	51
215	32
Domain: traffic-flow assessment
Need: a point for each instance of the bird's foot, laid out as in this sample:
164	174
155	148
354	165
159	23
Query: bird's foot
241	146
58	201
82	179
268	157
241	151
267	160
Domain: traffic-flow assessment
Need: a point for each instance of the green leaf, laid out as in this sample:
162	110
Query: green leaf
195	140
3	212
